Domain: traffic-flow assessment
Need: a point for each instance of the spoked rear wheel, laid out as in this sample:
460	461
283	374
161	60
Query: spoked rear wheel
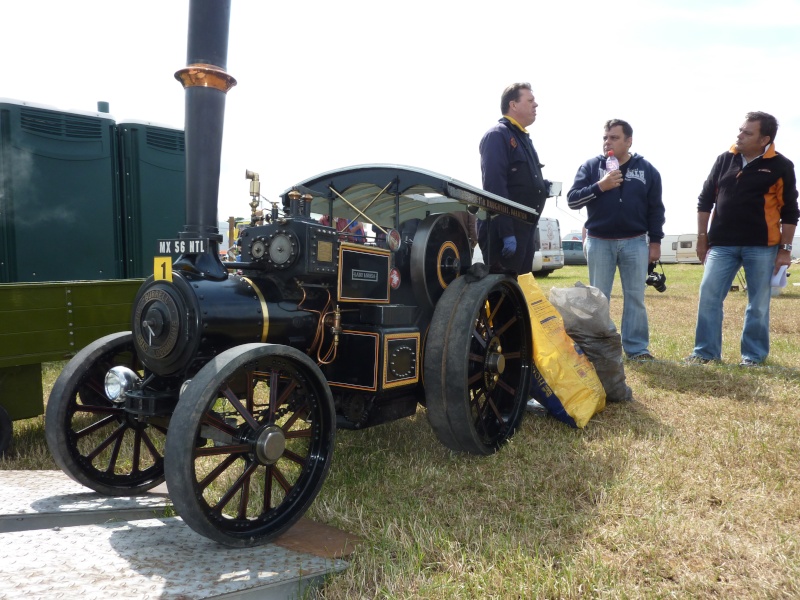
478	361
92	439
250	444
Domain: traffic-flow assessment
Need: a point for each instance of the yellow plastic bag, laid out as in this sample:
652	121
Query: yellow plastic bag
566	382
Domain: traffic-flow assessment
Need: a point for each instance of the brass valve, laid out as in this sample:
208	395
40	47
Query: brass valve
255	195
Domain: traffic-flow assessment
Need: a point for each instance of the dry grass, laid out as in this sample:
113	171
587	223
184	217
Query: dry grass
690	492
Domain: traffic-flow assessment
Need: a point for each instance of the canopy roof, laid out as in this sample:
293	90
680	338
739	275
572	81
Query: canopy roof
375	189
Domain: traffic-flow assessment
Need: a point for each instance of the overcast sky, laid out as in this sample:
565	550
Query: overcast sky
328	84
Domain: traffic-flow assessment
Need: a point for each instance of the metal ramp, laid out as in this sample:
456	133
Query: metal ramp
43	499
59	539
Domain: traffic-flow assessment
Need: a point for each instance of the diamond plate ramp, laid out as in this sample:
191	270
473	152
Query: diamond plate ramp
60	539
43	499
152	558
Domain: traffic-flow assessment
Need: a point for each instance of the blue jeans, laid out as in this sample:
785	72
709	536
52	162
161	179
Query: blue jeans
722	264
631	256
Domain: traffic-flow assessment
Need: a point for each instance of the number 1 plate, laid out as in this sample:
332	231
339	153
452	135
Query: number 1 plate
162	268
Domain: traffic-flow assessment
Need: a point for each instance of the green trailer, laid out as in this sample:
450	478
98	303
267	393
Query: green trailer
45	322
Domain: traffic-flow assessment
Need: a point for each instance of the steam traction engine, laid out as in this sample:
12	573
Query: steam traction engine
235	376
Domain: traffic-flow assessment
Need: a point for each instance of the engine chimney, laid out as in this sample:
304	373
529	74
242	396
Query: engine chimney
206	84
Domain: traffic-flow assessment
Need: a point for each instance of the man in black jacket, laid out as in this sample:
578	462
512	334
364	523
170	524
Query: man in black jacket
753	192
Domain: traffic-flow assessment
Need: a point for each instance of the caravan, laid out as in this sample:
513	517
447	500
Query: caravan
669	249
683	248
686	249
679	249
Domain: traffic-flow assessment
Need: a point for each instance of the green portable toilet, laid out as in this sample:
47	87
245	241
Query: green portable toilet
59	196
153	167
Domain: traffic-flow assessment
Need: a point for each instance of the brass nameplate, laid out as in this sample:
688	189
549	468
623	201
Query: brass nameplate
324	251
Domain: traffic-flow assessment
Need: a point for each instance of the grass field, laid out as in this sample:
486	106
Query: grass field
690	492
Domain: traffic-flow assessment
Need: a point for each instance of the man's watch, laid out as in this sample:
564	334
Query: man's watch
786	247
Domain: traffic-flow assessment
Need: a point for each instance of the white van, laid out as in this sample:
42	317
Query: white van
548	256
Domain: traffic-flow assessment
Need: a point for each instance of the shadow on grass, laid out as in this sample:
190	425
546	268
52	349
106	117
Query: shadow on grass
531	501
719	380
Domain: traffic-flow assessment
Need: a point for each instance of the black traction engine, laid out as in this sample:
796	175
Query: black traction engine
350	304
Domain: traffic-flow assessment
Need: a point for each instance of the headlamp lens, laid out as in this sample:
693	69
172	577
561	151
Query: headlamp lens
119	381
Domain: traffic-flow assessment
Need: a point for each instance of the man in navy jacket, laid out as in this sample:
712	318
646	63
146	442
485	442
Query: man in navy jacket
624	228
510	168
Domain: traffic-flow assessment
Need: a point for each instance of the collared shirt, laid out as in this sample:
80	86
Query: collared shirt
516	124
745	161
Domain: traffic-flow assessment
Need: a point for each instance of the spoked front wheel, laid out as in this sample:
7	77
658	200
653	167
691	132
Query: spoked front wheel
94	440
250	444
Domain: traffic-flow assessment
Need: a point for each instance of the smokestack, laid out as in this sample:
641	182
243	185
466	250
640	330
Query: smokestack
206	84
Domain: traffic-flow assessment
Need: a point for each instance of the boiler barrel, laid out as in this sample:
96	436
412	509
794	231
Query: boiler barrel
176	323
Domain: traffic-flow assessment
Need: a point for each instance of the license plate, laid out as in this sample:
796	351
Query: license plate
182	246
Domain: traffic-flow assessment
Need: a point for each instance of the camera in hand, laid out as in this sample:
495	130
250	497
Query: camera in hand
657	280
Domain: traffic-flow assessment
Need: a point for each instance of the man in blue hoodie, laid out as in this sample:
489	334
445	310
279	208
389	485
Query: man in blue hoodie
624	227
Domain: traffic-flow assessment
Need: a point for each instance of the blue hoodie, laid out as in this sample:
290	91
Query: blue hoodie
624	212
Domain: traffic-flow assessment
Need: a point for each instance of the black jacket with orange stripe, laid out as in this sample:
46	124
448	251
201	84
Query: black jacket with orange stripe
749	203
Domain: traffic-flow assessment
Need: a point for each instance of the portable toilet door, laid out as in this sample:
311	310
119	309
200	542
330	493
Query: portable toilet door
153	165
59	195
